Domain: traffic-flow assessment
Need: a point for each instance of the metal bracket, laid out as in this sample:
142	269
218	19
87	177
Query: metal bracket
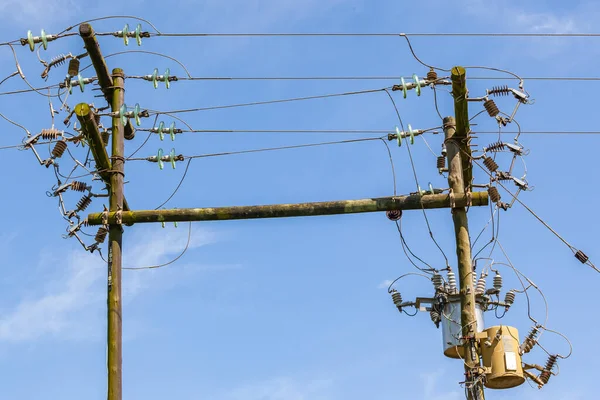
119	216
452	199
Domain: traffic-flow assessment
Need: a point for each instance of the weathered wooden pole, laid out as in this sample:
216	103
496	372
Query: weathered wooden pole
459	177
104	79
115	238
413	202
89	128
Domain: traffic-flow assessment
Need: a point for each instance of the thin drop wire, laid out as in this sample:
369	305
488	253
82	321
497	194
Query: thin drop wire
417	58
23	76
187	245
573	249
145	141
110	17
417	180
178	186
387	146
406	248
435	102
531	283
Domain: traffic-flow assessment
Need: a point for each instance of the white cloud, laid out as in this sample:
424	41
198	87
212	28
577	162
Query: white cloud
75	298
283	389
385	284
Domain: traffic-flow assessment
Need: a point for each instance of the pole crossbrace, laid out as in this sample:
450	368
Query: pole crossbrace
411	202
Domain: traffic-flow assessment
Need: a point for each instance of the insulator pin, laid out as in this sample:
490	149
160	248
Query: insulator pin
529	341
101	234
78	186
509	299
438	281
498	282
490	164
59	149
451	282
480	288
73	69
547	372
105	135
397	299
441	162
581	256
491	108
432	75
494	194
394	215
500	91
50	134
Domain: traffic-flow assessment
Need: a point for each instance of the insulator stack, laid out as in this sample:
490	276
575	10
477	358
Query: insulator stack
480	288
432	75
394	215
509	298
451	282
438	281
101	234
580	255
495	147
84	203
491	107
490	164
441	162
59	149
50	134
498	282
78	186
105	137
73	69
97	118
435	317
529	341
545	375
494	194
397	299
500	91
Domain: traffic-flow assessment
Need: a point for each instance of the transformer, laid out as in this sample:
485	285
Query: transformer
501	359
451	327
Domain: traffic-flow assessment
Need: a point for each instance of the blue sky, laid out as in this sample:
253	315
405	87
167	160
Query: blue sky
293	309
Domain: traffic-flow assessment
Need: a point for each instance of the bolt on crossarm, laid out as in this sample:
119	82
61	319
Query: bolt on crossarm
460	174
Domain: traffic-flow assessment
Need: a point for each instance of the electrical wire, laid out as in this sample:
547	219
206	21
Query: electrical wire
190	78
571	247
268	149
267	102
417	180
375	34
417	58
178	186
109	17
144	52
187	245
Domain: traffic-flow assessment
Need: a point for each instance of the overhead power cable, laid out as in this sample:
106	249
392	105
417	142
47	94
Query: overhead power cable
373	34
228	153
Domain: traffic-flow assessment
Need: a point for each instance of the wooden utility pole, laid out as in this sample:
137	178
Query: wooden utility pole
115	241
460	174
